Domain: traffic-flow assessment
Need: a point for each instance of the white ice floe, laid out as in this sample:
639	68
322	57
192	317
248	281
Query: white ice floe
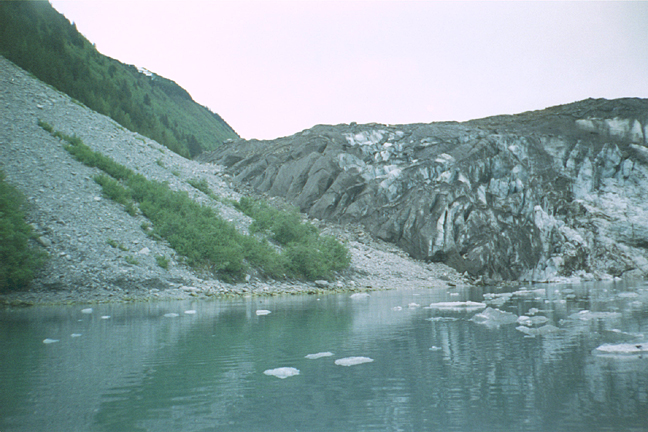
532	321
86	311
352	361
442	319
586	315
75	335
435	348
50	341
533	311
359	295
493	318
190	312
540	331
497	300
105	317
261	312
413	305
467	306
319	355
628	295
282	372
397	308
622	349
171	315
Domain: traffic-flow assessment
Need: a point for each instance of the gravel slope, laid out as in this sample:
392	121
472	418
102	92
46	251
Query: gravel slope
75	223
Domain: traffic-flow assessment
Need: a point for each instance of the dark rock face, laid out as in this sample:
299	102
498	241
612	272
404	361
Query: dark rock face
536	196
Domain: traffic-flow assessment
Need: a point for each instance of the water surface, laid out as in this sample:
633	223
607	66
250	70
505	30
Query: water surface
153	367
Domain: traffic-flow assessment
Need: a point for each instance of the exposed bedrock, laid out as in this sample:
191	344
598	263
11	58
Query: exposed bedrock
537	196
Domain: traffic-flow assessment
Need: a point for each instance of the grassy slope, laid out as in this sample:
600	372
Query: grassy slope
40	40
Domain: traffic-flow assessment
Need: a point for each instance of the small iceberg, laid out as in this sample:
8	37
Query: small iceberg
357	296
467	306
50	341
262	312
282	372
319	355
352	361
532	321
586	315
190	312
442	319
413	305
622	350
105	317
171	315
493	318
397	308
75	335
435	348
541	331
86	311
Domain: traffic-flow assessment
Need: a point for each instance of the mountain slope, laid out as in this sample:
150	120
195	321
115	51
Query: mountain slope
40	40
538	196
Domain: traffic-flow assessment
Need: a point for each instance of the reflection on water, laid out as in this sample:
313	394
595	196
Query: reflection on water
199	366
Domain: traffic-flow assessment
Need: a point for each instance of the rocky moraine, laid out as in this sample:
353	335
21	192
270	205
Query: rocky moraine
98	252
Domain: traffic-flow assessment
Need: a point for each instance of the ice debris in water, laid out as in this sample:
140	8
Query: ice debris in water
540	331
105	317
75	335
622	349
352	361
397	308
319	355
190	312
586	315
442	319
493	318
262	312
86	311
628	295
50	341
532	321
533	311
467	306
171	315
497	300
282	372
359	295
435	348
413	305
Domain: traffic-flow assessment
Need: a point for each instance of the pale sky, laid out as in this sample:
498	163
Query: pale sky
274	68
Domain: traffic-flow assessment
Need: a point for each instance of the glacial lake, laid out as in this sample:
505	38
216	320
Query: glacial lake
383	362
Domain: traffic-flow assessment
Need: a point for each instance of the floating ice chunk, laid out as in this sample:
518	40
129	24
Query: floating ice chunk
413	305
50	341
171	315
541	331
623	349
532	321
105	317
359	295
282	372
628	295
262	312
352	361
86	311
497	300
586	315
493	318
435	348
190	312
442	319
533	311
319	355
75	335
467	306
397	308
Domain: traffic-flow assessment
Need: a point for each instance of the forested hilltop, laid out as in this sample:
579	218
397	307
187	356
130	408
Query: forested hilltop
42	41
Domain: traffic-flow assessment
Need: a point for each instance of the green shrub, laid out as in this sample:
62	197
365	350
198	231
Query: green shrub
18	260
130	260
162	261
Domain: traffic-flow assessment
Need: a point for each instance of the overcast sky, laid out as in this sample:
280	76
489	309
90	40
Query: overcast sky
274	68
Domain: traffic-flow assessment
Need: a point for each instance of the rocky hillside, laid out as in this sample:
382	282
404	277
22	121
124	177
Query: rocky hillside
539	196
99	252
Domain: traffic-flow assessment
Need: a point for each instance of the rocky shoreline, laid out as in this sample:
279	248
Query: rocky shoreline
99	253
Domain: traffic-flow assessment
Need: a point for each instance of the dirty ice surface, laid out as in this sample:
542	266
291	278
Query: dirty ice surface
282	372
